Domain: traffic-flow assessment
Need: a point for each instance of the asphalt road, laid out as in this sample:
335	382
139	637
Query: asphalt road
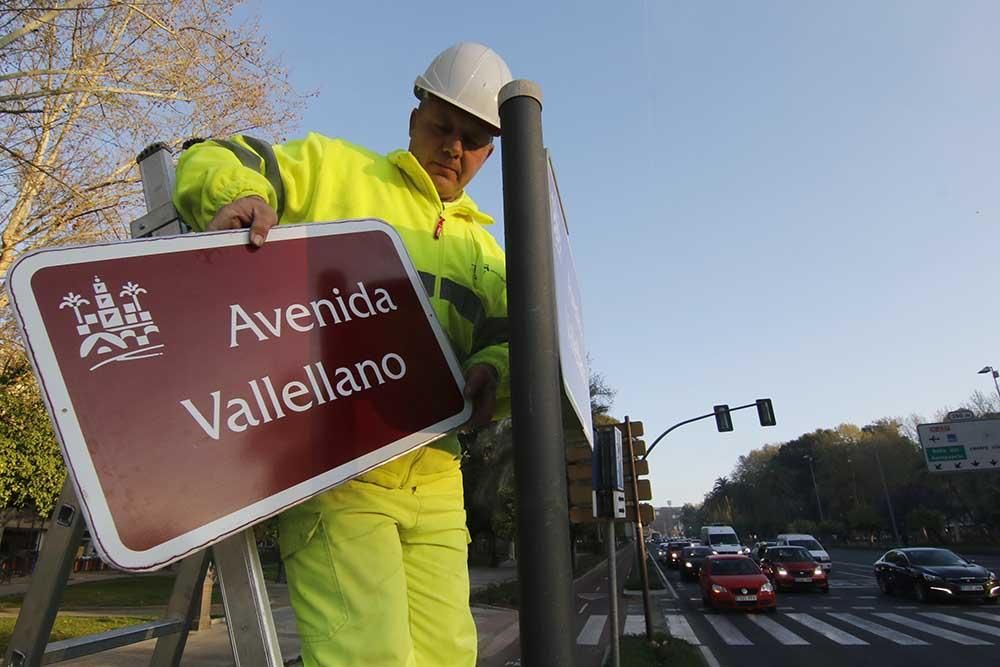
854	622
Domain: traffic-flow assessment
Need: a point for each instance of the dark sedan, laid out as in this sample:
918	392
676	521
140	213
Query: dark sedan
691	560
674	553
930	572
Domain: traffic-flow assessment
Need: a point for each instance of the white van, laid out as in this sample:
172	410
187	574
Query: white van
810	544
722	539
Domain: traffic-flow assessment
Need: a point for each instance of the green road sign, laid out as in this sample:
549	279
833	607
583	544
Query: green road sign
952	453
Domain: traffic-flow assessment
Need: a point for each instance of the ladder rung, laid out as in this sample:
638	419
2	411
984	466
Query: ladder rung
68	649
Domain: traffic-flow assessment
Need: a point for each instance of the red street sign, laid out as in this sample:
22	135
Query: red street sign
198	386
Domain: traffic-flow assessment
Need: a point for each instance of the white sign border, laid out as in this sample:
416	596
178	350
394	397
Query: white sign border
79	464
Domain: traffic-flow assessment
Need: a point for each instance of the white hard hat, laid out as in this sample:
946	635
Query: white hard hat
468	75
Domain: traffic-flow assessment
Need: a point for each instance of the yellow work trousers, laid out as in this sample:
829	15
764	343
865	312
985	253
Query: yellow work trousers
379	577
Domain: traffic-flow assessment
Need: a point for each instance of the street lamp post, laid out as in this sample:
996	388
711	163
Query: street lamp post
995	374
854	480
885	490
819	505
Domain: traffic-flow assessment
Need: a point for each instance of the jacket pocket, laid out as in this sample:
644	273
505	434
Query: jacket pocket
313	586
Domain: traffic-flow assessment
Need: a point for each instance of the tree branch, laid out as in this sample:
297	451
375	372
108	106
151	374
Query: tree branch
46	92
37	23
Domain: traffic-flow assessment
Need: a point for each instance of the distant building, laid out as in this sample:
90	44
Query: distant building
667	521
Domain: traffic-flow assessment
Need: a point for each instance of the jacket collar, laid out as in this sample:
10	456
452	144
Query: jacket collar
464	206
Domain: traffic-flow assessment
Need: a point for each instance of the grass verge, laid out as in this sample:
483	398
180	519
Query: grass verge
506	594
69	627
137	591
661	652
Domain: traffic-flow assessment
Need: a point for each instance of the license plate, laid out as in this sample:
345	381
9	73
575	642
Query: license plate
804	580
746	598
971	587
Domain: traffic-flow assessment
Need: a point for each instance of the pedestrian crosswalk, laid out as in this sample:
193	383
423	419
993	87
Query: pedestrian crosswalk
855	628
792	628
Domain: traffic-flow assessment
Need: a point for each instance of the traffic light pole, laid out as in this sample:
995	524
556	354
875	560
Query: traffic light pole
544	568
649	451
647	606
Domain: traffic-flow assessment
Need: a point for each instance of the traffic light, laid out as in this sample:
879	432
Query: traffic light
579	484
723	420
636	449
765	412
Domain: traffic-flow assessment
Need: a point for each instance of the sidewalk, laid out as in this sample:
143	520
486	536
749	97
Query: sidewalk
497	627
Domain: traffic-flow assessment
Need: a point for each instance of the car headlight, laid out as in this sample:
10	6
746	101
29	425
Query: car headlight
932	577
716	588
767	588
715	553
818	571
687	564
782	571
746	550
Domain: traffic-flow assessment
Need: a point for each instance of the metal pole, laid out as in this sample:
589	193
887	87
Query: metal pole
995	383
819	505
641	549
613	594
885	489
649	450
544	568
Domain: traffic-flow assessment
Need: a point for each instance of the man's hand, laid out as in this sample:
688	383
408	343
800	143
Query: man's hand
481	389
252	212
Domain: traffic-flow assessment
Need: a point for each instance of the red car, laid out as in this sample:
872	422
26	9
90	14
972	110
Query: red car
735	582
793	567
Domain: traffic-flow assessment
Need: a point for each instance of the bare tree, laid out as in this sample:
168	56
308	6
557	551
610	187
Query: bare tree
85	85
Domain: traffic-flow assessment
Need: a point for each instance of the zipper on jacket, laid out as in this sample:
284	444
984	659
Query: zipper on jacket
439	227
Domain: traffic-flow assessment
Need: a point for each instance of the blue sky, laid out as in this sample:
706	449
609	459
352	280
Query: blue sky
787	199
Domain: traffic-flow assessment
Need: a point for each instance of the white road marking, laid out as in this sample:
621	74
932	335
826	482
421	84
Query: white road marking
709	657
634	625
863	608
583	608
729	632
933	630
880	630
679	628
964	623
779	632
867	597
827	630
987	615
592	630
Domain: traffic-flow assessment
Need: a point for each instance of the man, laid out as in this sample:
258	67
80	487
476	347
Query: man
377	567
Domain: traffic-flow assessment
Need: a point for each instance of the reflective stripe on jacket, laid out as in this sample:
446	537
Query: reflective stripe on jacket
320	178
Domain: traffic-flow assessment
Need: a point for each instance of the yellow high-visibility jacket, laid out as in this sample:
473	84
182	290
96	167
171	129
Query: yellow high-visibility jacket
319	178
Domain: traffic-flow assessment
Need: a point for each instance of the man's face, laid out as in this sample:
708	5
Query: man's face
450	144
